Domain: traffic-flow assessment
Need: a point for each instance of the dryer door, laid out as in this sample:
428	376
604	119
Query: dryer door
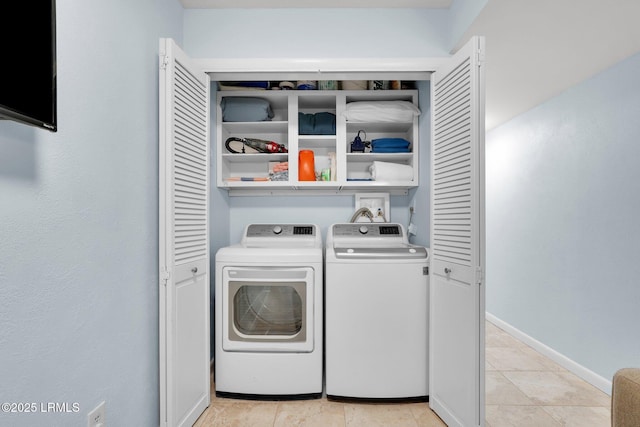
266	309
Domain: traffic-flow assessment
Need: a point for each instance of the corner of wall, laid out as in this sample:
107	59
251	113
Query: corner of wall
462	13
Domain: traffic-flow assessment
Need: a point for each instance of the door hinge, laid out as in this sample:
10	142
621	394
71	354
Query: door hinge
479	275
164	62
425	271
165	275
480	57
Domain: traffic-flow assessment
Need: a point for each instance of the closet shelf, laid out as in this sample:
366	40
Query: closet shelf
352	170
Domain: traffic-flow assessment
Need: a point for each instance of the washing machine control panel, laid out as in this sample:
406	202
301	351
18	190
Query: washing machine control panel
367	230
369	241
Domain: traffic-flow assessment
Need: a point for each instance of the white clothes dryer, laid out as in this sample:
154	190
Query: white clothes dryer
269	313
376	313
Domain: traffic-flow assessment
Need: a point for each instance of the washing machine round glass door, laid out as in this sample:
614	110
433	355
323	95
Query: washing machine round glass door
267	309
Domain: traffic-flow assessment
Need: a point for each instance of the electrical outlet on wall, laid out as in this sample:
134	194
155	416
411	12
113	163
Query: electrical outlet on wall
413	229
96	418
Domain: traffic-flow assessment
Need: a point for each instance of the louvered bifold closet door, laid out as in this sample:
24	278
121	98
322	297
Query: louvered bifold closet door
452	168
190	168
456	305
184	238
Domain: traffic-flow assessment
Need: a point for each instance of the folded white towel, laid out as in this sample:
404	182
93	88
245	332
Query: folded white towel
381	111
385	171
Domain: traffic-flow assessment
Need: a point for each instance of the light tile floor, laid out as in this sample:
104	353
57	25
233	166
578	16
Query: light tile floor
523	389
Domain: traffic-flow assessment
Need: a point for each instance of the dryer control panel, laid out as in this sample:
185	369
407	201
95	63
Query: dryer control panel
271	230
281	235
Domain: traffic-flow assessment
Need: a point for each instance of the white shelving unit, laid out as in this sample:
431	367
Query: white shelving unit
245	173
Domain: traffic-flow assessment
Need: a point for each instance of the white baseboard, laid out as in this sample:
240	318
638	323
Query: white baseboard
570	365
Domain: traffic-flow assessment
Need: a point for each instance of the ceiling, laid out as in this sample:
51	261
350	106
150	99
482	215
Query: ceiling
537	49
534	49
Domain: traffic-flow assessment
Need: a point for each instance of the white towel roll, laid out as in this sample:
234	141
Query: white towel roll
385	171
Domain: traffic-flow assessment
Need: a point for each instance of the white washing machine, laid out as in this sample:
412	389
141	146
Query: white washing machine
268	313
376	313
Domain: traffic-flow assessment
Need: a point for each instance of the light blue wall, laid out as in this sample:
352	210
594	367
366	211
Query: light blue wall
315	33
220	212
219	216
78	224
420	197
563	229
321	210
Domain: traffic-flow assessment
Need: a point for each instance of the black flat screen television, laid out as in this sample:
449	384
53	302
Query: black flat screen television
28	92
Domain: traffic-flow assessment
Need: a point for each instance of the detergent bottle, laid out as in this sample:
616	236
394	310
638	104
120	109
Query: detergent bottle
306	166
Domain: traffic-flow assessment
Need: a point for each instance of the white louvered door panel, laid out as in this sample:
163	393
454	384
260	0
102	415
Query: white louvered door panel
190	183
183	238
456	326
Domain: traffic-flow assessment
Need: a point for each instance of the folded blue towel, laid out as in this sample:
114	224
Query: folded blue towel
390	142
259	85
317	124
390	145
306	123
245	109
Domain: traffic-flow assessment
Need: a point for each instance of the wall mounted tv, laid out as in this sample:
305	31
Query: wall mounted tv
28	92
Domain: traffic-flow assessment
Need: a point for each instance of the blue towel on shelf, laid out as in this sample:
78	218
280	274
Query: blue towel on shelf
245	109
247	84
390	145
317	124
306	123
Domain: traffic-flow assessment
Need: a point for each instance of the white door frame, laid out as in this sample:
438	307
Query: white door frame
322	68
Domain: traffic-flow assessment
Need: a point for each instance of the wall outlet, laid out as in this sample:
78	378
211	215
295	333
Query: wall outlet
96	418
413	229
